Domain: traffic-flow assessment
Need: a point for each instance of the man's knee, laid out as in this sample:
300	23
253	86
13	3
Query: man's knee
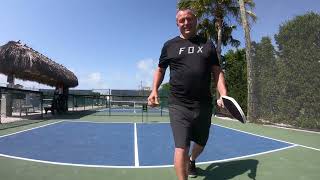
198	146
180	152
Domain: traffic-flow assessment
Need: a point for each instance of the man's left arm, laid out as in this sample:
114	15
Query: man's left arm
219	80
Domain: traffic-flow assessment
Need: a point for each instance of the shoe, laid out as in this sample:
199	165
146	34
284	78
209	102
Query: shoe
192	171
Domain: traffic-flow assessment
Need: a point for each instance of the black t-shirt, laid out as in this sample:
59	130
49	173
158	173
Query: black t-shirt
190	62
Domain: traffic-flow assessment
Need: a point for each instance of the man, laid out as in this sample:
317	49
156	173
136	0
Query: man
192	59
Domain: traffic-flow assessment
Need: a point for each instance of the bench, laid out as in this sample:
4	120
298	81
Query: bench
49	108
26	109
48	105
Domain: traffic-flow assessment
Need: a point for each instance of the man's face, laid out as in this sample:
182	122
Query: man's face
186	23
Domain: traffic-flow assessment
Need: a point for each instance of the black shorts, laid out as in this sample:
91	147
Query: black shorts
190	124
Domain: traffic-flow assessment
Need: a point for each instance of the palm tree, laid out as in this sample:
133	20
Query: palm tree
251	113
207	29
213	16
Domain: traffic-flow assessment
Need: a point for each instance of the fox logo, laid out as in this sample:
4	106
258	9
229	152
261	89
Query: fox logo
190	50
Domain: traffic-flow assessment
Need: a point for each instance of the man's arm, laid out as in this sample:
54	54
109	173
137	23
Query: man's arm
157	80
220	83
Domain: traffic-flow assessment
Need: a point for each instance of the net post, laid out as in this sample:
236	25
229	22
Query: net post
109	102
145	109
92	98
84	104
72	103
76	102
20	107
41	105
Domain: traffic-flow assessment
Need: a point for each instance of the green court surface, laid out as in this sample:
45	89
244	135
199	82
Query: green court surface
300	162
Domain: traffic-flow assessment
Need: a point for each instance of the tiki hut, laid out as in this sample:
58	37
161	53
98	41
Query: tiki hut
22	62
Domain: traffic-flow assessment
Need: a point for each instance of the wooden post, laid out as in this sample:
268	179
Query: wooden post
10	80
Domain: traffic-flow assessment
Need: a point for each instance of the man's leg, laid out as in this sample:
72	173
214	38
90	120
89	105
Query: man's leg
200	134
180	123
196	151
181	161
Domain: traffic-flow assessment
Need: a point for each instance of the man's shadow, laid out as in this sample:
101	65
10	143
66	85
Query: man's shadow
229	170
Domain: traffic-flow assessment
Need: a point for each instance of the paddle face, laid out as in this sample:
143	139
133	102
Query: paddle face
234	108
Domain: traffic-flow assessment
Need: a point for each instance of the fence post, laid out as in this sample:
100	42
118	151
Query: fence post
0	106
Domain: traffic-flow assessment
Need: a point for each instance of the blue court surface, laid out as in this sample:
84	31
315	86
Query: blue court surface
125	144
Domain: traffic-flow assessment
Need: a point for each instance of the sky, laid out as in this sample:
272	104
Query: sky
116	44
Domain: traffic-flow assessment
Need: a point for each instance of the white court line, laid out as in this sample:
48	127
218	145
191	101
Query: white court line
136	150
225	118
275	126
270	138
30	129
251	155
64	164
133	167
292	129
113	122
78	121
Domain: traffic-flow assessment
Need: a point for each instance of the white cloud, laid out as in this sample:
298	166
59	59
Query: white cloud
95	77
32	84
92	80
145	65
145	71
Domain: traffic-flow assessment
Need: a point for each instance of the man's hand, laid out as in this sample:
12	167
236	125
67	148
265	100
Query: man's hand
220	102
153	99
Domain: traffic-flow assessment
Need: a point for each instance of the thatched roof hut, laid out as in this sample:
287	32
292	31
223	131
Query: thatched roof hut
25	63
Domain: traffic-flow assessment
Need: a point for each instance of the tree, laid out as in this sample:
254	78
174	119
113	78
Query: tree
164	93
299	59
264	70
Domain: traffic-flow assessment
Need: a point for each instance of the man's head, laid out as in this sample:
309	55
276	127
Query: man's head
187	23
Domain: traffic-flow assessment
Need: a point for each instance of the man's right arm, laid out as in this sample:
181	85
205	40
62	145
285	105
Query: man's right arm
157	80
